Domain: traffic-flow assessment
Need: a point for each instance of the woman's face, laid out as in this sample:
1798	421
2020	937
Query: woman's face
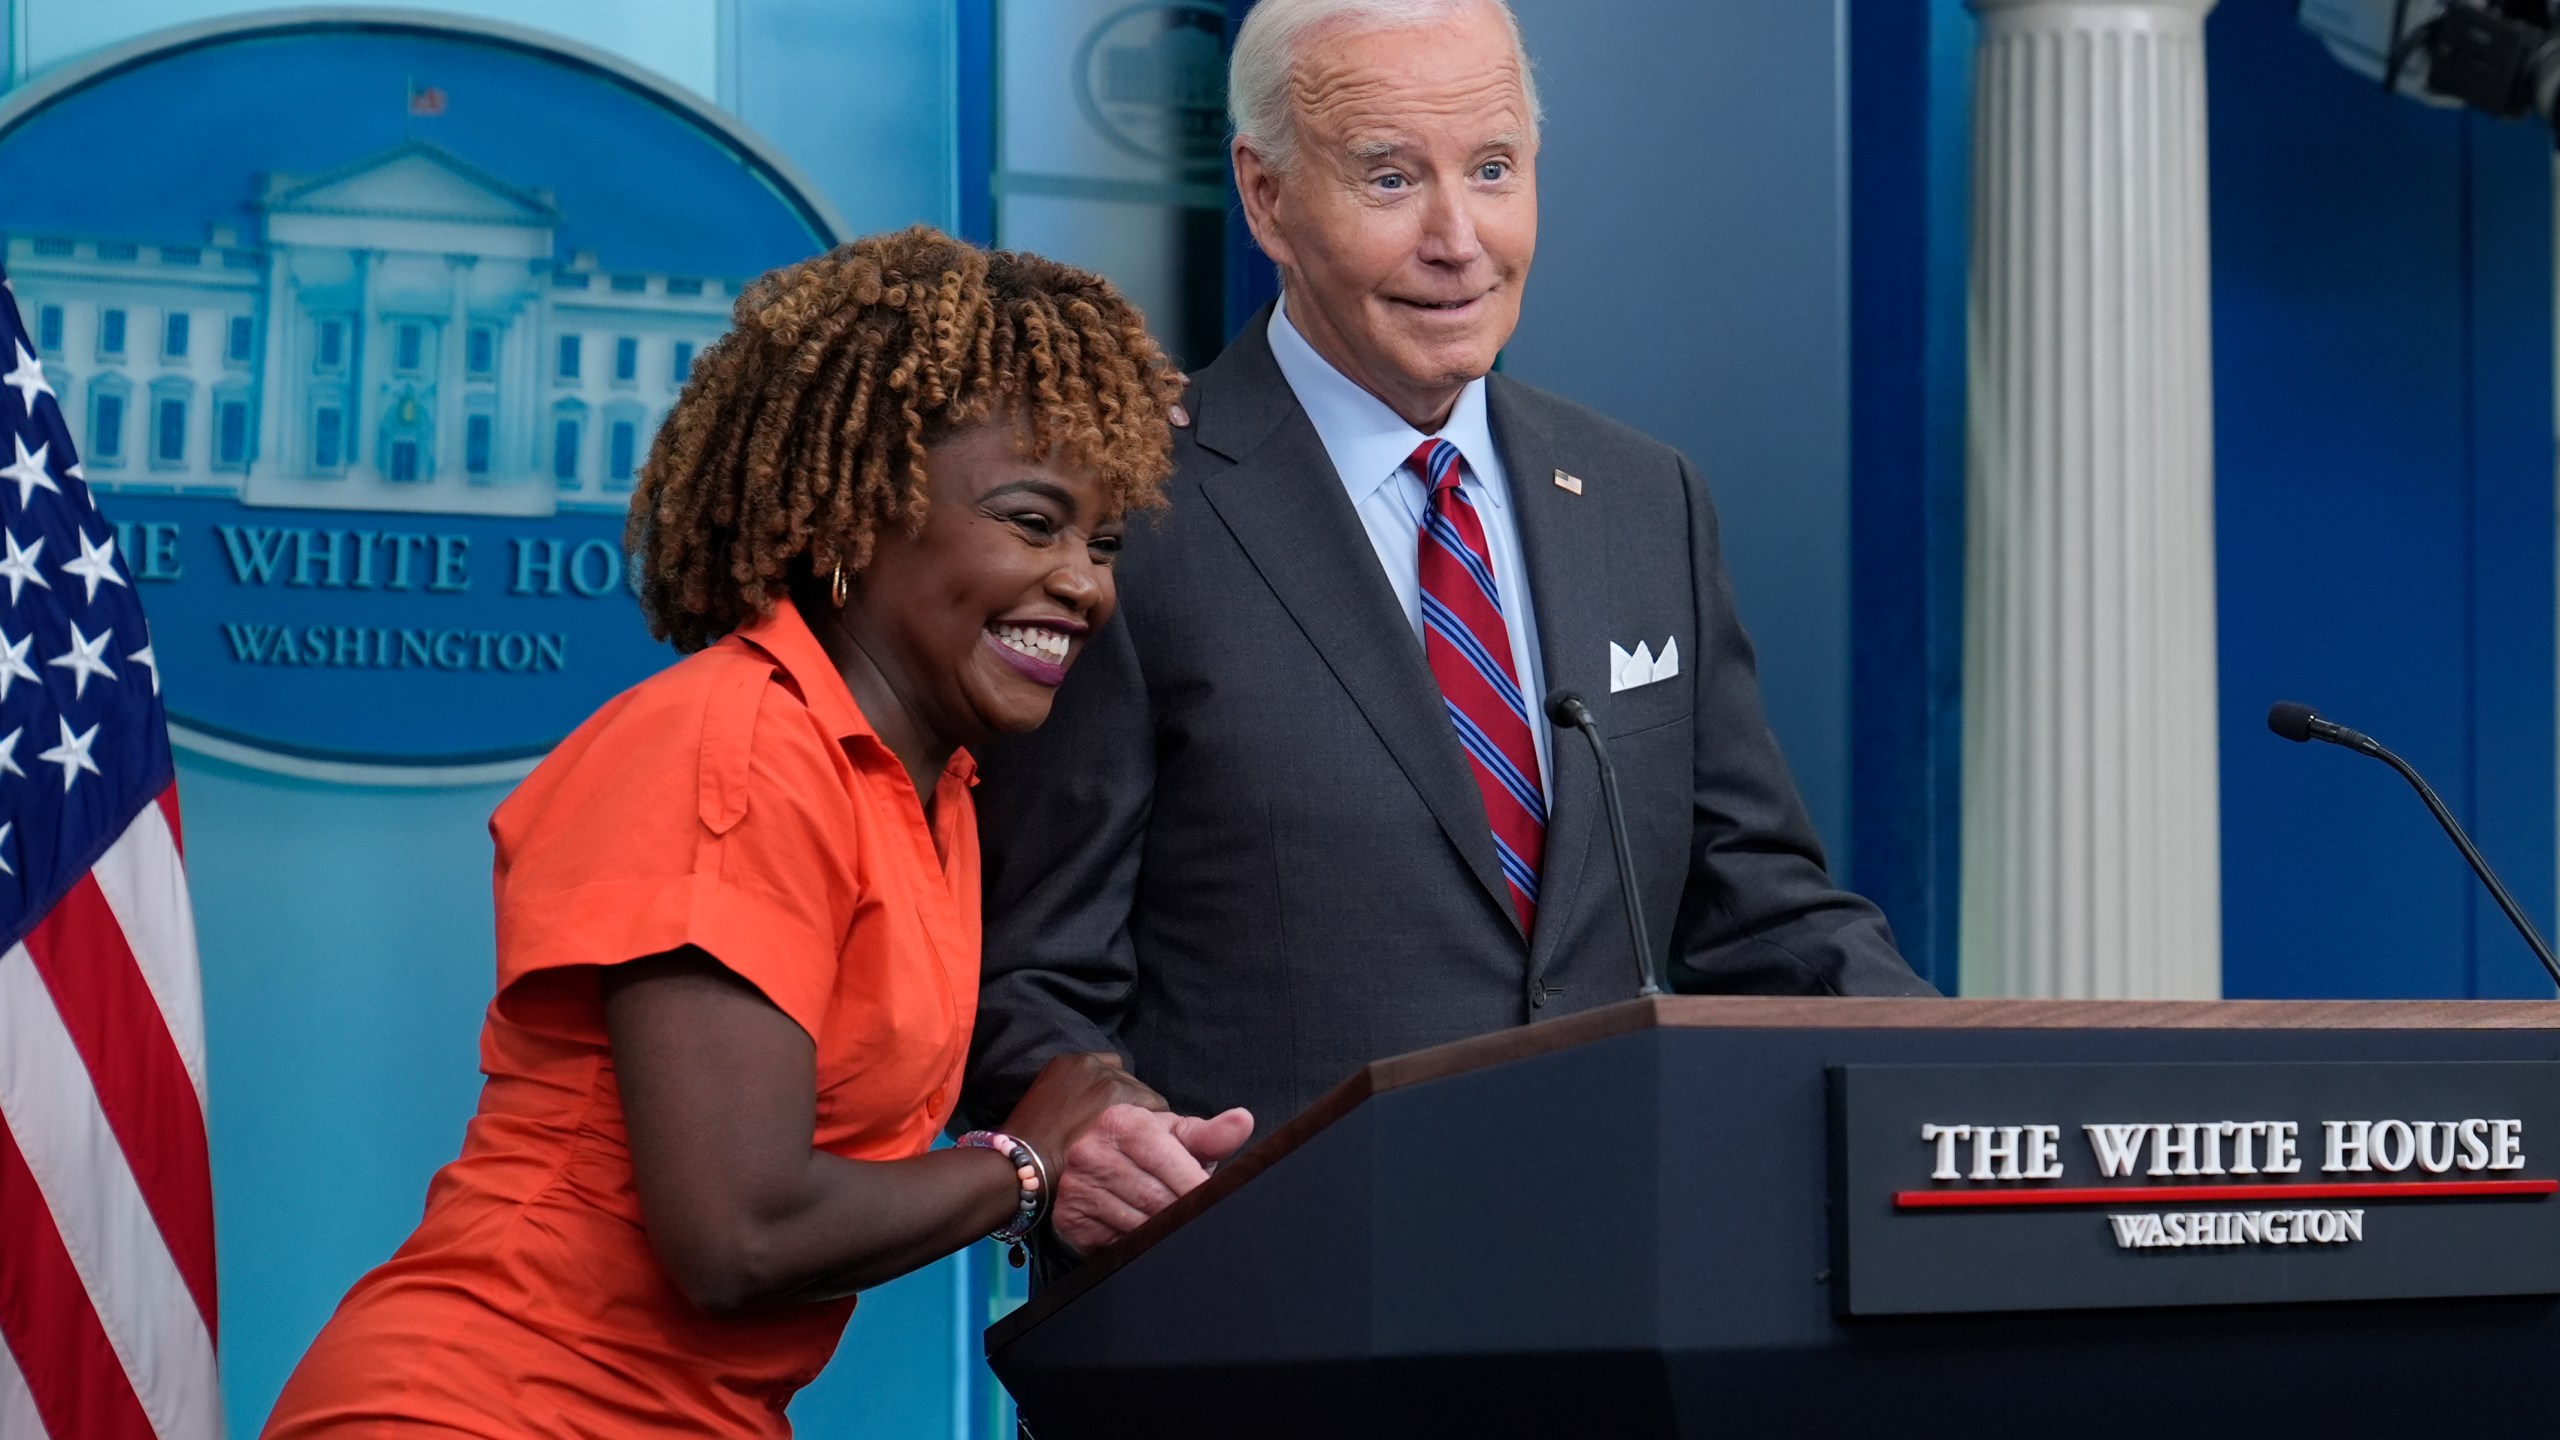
984	609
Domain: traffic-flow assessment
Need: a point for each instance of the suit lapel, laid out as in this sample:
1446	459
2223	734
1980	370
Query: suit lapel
1288	511
1562	538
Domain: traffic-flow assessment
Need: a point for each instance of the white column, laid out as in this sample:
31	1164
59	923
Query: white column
451	353
2092	847
364	408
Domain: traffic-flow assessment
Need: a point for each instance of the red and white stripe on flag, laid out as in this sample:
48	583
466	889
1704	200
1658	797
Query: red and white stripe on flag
106	1206
107	1319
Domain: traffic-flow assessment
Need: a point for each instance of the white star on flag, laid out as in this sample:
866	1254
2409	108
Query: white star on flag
28	379
143	656
28	473
19	565
9	752
85	658
96	563
13	661
72	754
5	827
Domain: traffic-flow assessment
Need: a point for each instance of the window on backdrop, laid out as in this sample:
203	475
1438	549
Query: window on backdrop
169	431
624	452
106	428
327	431
477	431
564	451
1111	152
231	431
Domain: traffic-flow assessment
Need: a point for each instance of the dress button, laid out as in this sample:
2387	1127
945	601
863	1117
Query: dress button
1537	994
934	1101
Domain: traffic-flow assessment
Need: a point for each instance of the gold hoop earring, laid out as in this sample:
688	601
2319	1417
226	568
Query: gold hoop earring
842	591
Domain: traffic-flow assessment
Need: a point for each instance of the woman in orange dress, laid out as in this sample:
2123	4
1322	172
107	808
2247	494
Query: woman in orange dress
738	909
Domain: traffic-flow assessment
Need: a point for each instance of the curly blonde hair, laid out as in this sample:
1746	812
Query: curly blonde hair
804	429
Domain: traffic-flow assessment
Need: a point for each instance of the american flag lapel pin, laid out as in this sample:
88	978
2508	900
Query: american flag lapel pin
1569	483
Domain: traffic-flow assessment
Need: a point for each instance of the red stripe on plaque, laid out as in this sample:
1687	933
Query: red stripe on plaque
2210	1194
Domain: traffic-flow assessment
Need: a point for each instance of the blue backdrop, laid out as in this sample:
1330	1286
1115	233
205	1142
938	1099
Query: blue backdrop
2382	313
2383	407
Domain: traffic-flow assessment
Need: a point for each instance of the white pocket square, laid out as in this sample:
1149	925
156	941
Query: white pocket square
1626	671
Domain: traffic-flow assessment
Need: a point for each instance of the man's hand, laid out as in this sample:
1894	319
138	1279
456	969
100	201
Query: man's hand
1130	1163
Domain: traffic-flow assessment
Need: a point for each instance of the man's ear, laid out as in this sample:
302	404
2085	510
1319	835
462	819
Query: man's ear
1258	185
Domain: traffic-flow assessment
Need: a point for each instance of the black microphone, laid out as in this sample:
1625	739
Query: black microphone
1566	708
2297	723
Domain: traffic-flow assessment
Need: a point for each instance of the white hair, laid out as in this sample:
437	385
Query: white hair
1267	52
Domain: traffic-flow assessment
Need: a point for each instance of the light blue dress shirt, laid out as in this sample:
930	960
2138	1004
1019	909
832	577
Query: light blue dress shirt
1369	444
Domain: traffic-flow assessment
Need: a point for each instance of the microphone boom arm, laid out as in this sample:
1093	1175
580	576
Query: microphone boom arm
1566	708
2470	852
2297	723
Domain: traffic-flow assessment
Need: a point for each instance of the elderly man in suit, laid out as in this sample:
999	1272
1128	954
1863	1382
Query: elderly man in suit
1300	807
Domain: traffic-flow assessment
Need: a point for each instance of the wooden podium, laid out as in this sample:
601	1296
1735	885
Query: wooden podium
1639	1221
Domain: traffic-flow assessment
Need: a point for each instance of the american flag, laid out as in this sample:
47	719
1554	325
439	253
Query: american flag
106	1199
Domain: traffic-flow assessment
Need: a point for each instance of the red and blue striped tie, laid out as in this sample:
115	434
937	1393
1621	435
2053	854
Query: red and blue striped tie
1470	652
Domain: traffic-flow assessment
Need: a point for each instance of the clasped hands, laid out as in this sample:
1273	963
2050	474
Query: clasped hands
1132	1157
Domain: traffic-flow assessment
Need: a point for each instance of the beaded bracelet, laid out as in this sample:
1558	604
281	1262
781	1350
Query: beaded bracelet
1031	1173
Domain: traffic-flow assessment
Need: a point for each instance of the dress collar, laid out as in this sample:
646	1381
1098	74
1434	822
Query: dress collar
787	640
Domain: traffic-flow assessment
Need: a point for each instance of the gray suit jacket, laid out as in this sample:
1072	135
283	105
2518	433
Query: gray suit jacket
1247	852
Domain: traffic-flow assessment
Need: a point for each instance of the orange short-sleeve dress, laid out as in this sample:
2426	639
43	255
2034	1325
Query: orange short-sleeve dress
738	802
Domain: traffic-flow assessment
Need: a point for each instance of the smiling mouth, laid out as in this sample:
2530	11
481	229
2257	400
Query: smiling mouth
1037	642
1036	652
1441	305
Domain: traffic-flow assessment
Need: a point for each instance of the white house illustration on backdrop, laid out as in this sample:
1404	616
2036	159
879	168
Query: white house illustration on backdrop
399	337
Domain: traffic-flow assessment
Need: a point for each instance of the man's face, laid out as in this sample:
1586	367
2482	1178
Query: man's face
1405	226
